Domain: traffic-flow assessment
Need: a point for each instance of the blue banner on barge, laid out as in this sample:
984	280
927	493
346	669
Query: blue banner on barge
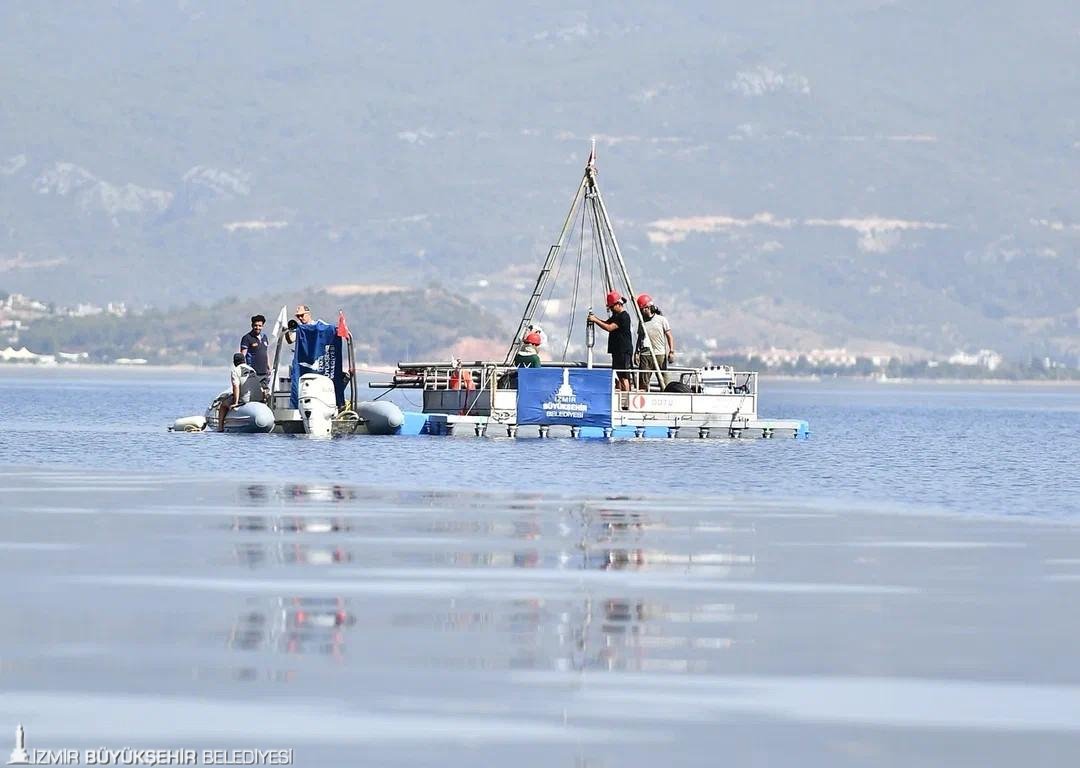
318	350
576	397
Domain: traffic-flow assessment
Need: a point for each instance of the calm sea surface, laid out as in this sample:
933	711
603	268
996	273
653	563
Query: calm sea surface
897	590
970	449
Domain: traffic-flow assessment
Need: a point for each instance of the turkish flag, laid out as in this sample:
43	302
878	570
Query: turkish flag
342	329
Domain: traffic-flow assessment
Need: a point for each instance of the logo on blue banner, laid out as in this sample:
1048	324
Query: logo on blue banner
577	397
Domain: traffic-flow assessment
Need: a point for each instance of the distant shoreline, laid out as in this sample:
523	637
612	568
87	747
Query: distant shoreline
389	369
148	368
97	367
812	379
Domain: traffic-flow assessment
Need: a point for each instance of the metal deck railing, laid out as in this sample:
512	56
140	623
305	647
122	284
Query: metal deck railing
443	376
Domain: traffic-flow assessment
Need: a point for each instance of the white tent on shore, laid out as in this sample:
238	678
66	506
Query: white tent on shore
24	355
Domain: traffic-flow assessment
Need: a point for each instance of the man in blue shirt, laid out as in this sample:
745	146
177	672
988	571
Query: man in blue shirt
255	347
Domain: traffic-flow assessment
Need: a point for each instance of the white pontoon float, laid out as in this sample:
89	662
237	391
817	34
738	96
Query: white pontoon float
488	398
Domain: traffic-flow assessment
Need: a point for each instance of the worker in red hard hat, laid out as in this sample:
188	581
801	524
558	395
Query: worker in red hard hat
620	339
655	343
528	355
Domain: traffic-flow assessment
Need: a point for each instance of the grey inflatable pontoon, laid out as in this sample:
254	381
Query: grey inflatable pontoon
245	419
382	417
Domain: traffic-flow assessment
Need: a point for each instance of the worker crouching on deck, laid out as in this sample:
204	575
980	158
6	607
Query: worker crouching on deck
620	339
528	355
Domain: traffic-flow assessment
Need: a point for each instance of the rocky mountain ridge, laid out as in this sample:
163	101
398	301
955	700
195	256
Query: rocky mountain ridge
873	175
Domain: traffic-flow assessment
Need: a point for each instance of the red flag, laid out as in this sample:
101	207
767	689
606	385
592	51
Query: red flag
342	329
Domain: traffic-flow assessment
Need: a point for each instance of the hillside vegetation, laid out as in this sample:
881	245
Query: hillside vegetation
387	327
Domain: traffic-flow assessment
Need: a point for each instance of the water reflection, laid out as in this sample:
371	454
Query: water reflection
635	635
618	523
254	554
261	493
296	625
615	559
290	524
613	634
625	625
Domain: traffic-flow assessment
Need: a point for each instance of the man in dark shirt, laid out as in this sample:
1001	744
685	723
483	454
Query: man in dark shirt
620	340
255	347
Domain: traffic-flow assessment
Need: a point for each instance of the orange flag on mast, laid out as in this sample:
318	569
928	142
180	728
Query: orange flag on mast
342	329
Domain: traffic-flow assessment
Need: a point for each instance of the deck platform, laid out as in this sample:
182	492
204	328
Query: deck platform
448	425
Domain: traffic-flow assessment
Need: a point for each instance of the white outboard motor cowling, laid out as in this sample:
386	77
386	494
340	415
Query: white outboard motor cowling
318	403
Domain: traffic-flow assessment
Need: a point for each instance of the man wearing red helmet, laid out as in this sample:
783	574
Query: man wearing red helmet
620	340
528	355
655	343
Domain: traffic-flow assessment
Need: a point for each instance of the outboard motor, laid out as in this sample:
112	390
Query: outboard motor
318	403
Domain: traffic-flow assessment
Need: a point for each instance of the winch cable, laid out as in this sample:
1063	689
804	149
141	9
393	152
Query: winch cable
577	287
609	282
551	286
592	266
610	263
590	329
408	400
384	394
607	253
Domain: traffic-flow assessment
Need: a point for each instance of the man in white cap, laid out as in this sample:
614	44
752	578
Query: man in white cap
303	317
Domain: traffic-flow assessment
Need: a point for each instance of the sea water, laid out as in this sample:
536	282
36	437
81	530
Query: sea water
896	590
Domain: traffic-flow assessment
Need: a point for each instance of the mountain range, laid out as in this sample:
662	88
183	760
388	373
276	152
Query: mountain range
885	176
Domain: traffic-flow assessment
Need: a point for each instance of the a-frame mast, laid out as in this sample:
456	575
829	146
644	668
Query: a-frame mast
594	189
591	191
545	273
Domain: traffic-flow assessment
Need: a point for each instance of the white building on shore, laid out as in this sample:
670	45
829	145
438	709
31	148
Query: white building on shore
984	358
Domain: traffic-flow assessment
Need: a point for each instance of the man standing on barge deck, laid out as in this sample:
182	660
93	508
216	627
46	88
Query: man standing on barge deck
620	338
655	344
255	347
